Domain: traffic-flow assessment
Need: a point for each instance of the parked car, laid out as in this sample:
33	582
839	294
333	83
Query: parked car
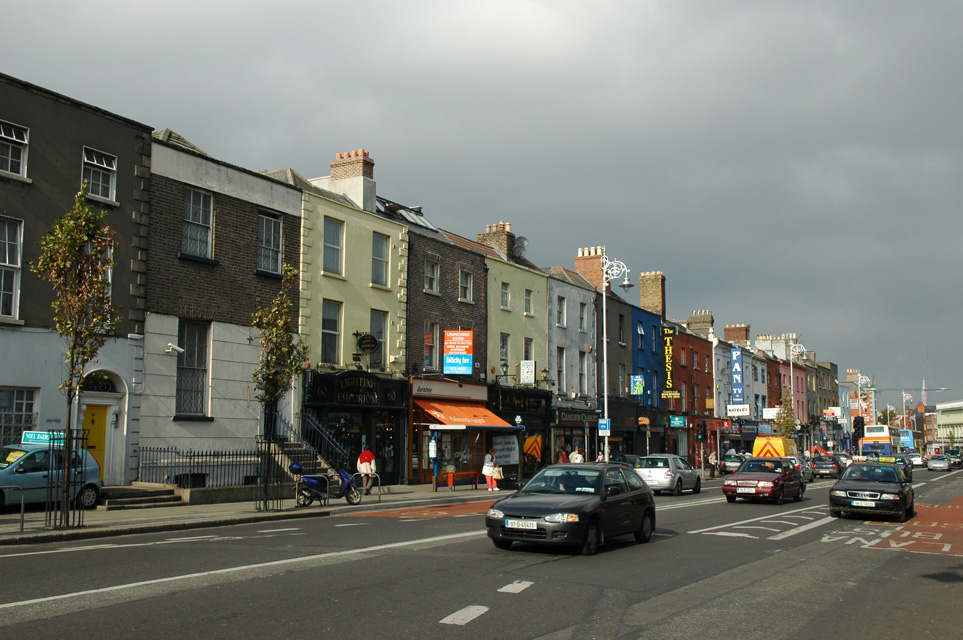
668	472
804	468
29	466
827	466
579	505
768	478
938	463
872	488
916	459
731	462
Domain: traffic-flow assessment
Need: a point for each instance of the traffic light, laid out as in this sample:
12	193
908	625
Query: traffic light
858	423
701	431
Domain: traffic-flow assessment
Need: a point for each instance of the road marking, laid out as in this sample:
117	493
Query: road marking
732	524
731	534
800	529
464	616
352	524
755	527
245	568
277	530
516	587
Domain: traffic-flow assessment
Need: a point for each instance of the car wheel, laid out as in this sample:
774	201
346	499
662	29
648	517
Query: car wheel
730	498
781	498
502	544
1	501
677	491
912	509
644	534
835	513
87	498
698	486
593	539
802	490
903	515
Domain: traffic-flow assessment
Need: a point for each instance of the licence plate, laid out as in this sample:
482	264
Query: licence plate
521	524
863	503
746	490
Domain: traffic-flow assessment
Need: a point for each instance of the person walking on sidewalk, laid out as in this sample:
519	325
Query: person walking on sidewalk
577	456
366	467
488	470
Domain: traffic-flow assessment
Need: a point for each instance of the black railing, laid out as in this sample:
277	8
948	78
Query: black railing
321	440
194	469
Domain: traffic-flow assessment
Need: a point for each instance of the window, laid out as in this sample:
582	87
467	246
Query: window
198	219
695	360
503	347
707	363
431	276
762	374
529	304
560	367
431	345
621	328
191	368
9	267
506	298
333	241
582	317
13	149
560	312
330	331
527	349
755	373
269	243
682	396
16	414
621	380
583	373
465	286
655	339
379	259
682	356
100	171
641	333
379	328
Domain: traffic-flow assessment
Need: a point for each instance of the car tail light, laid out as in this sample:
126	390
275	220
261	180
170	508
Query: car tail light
668	473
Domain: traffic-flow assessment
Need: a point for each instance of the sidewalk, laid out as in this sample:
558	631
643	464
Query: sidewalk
100	523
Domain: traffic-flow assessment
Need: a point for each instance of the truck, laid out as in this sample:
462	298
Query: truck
774	447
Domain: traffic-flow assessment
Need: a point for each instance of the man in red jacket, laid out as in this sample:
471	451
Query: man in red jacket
366	467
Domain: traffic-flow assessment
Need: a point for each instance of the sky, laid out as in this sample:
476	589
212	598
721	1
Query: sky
794	166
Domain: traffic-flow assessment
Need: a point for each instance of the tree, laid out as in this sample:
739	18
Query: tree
785	419
887	416
282	354
76	258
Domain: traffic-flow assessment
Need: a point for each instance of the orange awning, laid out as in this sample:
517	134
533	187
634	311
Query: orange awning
453	415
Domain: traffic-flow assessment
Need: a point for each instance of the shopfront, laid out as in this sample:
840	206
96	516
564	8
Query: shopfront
533	408
625	425
361	409
573	429
454	416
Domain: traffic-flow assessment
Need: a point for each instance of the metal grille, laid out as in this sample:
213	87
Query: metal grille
60	486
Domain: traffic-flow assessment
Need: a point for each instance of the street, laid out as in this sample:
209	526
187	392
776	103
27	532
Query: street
730	570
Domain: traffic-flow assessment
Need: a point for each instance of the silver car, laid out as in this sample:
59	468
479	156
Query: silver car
668	472
802	465
938	463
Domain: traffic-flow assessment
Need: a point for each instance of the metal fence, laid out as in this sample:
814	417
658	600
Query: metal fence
195	469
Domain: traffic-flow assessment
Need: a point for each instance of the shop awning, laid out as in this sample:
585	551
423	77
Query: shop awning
457	416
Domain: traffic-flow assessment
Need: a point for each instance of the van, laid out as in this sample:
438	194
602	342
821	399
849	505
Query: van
774	448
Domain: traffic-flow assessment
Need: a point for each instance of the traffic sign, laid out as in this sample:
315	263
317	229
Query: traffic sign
605	427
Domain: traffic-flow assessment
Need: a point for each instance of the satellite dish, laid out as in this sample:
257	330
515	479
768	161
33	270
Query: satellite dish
521	242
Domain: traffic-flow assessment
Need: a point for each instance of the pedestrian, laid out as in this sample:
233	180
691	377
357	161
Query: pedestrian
713	459
562	457
577	457
366	467
488	470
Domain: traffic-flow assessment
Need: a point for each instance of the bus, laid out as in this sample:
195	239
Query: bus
879	439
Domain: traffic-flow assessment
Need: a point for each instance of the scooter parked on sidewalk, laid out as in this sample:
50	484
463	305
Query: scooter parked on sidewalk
324	487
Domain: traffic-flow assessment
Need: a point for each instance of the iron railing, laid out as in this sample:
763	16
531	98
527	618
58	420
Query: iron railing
193	469
321	440
60	485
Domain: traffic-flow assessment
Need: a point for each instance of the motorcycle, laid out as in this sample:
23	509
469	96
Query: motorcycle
323	487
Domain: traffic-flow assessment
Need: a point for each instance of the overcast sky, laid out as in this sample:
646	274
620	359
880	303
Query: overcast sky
795	166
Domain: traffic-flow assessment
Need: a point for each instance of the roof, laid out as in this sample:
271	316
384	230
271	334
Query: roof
569	276
471	245
292	177
177	140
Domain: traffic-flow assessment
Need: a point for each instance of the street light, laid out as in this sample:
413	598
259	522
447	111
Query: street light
610	269
906	398
795	349
861	381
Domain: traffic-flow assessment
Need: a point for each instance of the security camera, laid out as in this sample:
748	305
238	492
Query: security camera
173	347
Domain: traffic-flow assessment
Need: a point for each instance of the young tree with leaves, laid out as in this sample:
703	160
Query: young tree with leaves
76	259
785	419
282	353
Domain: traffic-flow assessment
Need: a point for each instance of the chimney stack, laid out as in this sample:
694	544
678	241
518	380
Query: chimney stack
737	334
352	175
652	292
500	238
589	264
701	322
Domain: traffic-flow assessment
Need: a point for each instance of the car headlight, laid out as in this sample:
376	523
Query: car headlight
838	493
562	517
495	513
731	483
889	496
763	483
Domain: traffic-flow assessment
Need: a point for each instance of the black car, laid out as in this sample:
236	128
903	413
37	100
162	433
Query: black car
578	505
903	462
830	466
872	488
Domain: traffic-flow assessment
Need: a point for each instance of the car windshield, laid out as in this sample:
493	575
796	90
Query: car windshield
761	466
871	473
938	458
563	480
653	463
733	458
824	459
9	455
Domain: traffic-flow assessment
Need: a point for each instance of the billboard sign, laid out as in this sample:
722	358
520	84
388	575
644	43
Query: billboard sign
458	353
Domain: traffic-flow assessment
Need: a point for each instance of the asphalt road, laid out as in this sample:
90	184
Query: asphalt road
715	569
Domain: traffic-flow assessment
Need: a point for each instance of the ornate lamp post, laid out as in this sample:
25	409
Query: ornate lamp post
610	269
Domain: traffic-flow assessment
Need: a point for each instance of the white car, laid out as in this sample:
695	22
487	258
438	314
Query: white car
916	459
668	472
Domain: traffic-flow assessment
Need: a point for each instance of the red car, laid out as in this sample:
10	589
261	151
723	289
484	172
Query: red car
765	478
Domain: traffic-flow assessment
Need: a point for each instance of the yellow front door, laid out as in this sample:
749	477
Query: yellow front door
95	421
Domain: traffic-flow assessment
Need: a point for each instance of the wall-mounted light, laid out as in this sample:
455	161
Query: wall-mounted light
173	348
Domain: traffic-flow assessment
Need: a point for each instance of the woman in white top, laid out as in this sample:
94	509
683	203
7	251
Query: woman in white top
488	470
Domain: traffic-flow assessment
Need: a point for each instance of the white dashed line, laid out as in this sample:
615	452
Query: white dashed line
464	616
516	587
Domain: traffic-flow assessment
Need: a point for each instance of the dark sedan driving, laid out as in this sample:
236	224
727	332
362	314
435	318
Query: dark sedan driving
578	505
872	488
